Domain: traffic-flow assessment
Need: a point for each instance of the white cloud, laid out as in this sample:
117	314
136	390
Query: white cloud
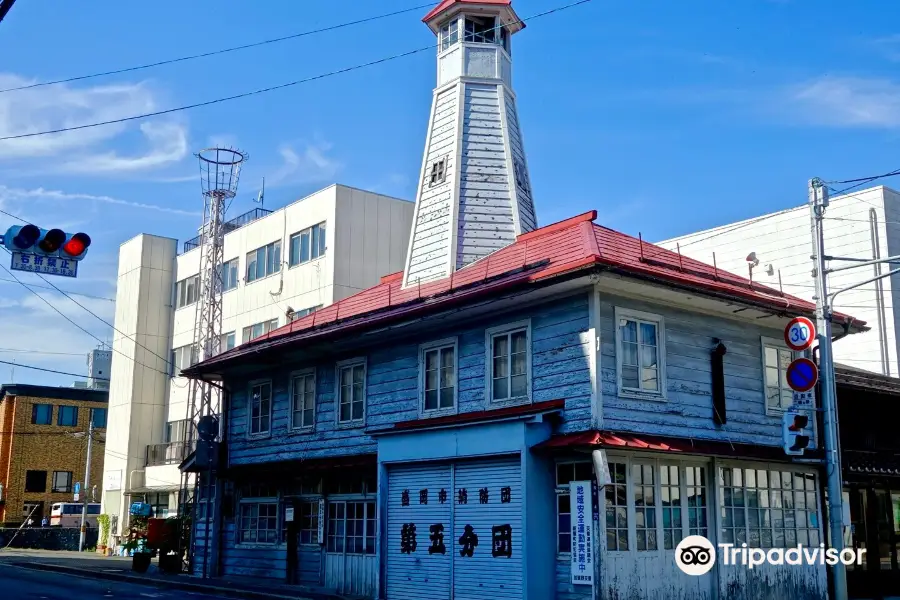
14	194
311	164
82	151
846	102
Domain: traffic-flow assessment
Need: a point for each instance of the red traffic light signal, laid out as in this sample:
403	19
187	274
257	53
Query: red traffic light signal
76	245
52	241
798	423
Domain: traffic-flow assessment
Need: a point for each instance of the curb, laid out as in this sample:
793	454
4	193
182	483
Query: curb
161	583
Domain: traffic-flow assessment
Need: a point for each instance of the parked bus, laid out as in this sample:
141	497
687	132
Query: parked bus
68	514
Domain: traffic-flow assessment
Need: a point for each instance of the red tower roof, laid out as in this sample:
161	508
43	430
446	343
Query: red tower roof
508	15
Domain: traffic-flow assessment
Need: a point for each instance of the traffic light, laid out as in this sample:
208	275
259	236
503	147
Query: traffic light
797	432
30	239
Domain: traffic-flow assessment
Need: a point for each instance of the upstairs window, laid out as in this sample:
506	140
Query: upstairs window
98	417
230	275
438	172
226	342
641	354
308	245
351	391
258	330
303	399
302	313
481	29
67	416
187	291
260	408
510	362
449	34
184	357
62	482
36	481
41	414
439	376
264	261
776	358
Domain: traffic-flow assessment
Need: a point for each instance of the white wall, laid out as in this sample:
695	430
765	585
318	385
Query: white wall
783	240
141	341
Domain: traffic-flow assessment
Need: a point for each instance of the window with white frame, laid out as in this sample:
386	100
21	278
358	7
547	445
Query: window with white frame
226	341
62	482
351	391
258	516
439	376
481	29
567	472
776	358
230	275
264	261
184	357
640	348
261	408
187	291
298	314
308	244
510	362
309	522
251	332
438	172
303	399
449	33
768	507
351	527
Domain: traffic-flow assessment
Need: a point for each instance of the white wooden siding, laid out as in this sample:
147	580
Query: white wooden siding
524	199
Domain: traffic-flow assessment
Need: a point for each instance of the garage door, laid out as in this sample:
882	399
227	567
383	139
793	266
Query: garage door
487	530
420	547
455	527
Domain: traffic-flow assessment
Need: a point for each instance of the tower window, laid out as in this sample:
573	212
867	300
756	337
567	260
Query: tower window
521	177
481	29
438	172
449	34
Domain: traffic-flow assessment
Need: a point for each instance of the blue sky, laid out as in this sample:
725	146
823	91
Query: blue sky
666	117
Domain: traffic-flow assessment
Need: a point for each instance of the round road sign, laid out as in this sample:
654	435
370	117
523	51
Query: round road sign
802	375
799	334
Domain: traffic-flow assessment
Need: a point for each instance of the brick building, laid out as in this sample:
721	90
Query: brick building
43	446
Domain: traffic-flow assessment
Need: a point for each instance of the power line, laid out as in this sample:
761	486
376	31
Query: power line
6	362
864	180
23	351
47	287
267	89
217	52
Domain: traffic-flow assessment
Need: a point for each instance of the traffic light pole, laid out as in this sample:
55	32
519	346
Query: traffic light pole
87	484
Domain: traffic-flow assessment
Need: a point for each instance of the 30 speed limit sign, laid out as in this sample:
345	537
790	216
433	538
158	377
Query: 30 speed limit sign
799	334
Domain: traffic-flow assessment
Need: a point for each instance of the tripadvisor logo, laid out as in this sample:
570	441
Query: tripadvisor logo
696	555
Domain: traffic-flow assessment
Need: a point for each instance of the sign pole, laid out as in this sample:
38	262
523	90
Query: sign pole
87	483
818	199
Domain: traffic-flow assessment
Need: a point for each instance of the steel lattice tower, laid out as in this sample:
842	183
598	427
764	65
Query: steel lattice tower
220	171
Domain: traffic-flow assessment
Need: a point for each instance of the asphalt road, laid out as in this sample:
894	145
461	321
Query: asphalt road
17	583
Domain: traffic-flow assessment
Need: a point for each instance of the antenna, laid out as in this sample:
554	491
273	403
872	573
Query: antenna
261	196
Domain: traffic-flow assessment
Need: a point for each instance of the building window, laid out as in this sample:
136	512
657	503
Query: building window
449	34
309	522
510	360
67	416
258	330
644	493
36	481
260	408
776	359
184	357
439	375
308	245
187	291
481	29
351	527
521	176
98	417
351	393
641	353
567	472
264	261
695	490
259	522
438	172
159	505
299	314
62	482
41	414
769	508
230	275
31	510
176	431
226	342
303	400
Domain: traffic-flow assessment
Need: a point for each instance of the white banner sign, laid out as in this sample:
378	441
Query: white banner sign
288	514
803	399
582	517
113	481
321	532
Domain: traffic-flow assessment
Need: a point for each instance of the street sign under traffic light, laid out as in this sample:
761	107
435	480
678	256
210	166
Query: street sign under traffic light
797	432
30	239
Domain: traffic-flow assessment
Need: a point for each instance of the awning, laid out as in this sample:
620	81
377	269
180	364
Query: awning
860	462
153	490
300	466
613	440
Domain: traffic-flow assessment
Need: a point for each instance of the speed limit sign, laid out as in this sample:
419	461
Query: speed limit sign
799	334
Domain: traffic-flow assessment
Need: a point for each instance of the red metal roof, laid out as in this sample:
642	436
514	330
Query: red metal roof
446	4
611	440
508	412
573	245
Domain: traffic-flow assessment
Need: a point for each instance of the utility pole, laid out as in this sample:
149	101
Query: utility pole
818	200
87	483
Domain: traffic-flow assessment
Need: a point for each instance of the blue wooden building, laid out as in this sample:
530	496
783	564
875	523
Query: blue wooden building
420	441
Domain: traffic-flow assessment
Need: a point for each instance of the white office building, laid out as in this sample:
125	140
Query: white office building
863	225
278	265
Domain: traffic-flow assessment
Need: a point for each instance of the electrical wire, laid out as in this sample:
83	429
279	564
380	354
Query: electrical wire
23	351
217	52
47	287
271	88
7	362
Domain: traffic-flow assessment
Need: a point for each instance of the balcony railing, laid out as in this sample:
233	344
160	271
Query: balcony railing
235	223
167	454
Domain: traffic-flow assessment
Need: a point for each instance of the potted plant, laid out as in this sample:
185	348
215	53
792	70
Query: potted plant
103	522
136	543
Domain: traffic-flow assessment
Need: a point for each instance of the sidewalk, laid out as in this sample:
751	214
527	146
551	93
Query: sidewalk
86	564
